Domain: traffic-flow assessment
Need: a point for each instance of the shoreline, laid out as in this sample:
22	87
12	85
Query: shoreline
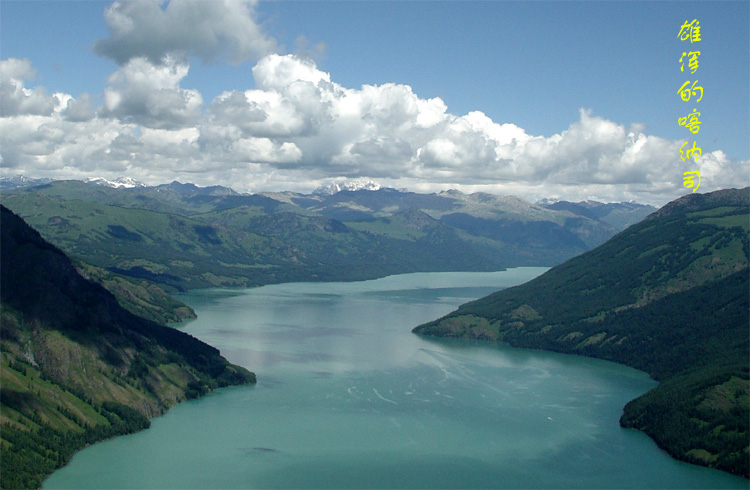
660	383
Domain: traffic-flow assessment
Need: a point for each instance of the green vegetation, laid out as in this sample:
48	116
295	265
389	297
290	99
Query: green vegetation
668	296
619	215
701	417
105	236
180	236
139	296
234	248
39	436
76	367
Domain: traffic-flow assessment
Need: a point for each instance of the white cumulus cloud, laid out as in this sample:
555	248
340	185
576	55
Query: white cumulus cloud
15	98
298	128
211	30
150	94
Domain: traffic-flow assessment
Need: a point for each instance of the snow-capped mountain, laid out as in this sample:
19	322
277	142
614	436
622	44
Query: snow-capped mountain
20	181
347	185
547	201
119	182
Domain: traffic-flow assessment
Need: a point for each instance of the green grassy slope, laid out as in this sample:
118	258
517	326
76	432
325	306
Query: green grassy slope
139	296
239	246
523	233
168	233
669	296
174	198
75	367
173	250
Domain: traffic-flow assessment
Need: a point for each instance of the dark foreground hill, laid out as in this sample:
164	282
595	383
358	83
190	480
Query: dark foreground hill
668	296
75	367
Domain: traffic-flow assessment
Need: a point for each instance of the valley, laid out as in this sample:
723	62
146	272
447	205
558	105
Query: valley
184	237
621	288
348	397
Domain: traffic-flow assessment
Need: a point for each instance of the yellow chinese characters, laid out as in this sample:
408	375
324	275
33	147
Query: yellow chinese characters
686	93
691	31
688	180
693	152
691	121
692	60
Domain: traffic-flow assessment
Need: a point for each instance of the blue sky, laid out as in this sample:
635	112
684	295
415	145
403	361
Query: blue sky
529	69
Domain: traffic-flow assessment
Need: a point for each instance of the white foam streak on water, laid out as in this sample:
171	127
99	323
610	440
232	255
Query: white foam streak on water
382	397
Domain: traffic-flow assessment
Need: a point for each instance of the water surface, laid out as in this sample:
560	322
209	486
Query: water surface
348	397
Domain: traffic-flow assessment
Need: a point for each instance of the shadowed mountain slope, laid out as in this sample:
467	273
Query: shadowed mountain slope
76	366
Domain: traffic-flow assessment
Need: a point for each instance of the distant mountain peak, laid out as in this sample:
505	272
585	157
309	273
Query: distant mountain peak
547	201
347	185
120	182
20	181
191	189
617	214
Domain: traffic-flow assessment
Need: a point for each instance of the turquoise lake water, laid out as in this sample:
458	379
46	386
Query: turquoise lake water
348	397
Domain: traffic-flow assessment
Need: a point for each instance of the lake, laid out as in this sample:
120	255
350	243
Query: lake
348	397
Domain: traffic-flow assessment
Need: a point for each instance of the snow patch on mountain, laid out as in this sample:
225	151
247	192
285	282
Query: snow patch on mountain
21	181
120	182
347	185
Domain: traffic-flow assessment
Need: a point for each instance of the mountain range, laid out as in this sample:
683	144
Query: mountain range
620	214
21	181
76	366
665	291
669	296
183	236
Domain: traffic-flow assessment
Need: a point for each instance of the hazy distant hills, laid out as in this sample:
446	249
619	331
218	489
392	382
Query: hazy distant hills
669	295
20	181
75	366
185	236
247	244
618	214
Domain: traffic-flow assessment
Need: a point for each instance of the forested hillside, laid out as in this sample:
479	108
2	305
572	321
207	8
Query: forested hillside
181	236
669	296
237	246
75	367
